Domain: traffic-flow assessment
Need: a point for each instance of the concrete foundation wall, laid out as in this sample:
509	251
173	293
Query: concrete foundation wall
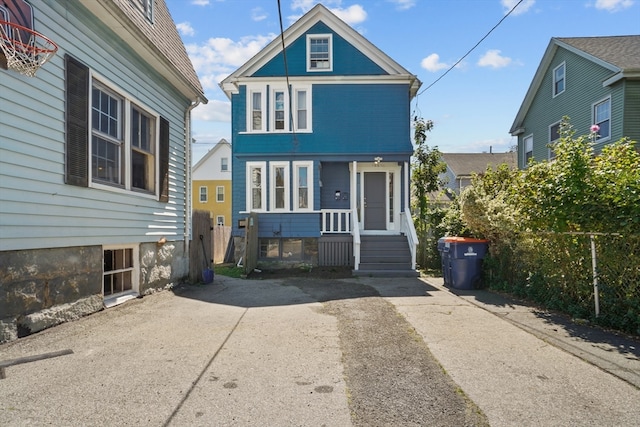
45	287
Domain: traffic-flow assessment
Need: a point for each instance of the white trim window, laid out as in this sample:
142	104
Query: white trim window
119	273
219	193
559	79
256	183
602	117
224	164
279	186
303	186
319	52
527	149
204	194
124	141
302	108
256	108
554	136
279	110
220	220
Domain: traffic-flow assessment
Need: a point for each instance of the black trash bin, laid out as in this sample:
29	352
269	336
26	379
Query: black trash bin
462	261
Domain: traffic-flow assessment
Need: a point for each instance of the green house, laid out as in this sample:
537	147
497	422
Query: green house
592	80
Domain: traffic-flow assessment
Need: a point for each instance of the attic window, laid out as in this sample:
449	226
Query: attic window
146	7
558	79
319	52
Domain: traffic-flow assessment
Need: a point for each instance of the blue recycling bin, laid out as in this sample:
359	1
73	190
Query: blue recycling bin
462	261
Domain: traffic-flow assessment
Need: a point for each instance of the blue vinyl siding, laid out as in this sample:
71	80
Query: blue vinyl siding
347	60
288	225
365	120
335	176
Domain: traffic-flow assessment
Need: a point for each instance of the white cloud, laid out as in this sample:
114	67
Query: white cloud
403	4
185	29
219	53
200	2
352	15
432	63
522	8
258	14
613	5
214	111
492	58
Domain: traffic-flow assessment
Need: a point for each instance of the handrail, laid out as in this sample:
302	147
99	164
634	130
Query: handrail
407	227
355	232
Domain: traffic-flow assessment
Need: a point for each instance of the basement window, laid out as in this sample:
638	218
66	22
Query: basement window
119	275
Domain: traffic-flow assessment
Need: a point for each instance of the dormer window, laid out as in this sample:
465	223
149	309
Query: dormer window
319	52
558	79
146	7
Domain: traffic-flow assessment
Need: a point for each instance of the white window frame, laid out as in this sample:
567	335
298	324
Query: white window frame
272	109
552	154
296	188
263	185
146	7
526	139
595	120
272	186
251	89
134	269
205	194
126	105
220	220
564	80
224	164
311	37
220	192
307	108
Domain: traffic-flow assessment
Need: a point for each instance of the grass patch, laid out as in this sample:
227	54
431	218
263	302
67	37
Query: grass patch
229	270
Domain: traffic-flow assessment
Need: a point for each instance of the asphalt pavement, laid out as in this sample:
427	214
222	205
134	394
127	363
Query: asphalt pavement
267	352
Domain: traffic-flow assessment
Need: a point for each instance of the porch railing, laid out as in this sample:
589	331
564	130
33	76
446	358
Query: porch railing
409	230
335	221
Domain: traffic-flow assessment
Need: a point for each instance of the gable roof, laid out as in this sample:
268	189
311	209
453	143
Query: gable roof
210	153
465	164
319	13
620	54
158	43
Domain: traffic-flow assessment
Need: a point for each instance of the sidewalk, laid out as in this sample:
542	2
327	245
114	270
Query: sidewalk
522	367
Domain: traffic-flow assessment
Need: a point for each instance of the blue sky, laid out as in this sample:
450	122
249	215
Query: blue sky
473	106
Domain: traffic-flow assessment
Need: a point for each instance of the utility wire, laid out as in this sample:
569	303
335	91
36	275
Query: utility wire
286	72
470	50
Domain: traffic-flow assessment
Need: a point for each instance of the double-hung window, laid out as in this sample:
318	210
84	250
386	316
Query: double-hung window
319	52
123	142
280	109
602	118
554	136
256	111
112	140
279	186
256	183
224	164
303	186
527	145
302	109
220	193
203	194
559	79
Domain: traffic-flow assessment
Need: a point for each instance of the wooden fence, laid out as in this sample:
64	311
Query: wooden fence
202	226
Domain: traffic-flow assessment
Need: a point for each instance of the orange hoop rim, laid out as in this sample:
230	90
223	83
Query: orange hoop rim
28	47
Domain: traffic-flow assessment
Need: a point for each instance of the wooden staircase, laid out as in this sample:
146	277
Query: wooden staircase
385	256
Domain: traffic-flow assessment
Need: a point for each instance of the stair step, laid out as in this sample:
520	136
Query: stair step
386	273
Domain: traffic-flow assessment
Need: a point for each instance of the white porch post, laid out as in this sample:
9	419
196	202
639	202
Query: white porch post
407	192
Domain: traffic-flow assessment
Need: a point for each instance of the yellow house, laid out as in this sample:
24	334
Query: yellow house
211	183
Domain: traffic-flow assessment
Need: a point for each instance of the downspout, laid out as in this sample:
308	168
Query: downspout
187	155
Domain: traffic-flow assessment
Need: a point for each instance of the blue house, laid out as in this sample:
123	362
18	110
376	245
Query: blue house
321	151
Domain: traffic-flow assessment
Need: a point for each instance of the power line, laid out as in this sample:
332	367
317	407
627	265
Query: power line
471	50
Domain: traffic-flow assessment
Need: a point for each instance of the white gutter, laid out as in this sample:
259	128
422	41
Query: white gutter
187	155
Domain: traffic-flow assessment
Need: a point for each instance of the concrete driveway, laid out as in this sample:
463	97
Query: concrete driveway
358	351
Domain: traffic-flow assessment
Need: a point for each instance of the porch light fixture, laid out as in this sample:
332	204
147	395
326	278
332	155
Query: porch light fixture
377	160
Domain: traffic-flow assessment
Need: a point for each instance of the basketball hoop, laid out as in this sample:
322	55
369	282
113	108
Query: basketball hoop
25	50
